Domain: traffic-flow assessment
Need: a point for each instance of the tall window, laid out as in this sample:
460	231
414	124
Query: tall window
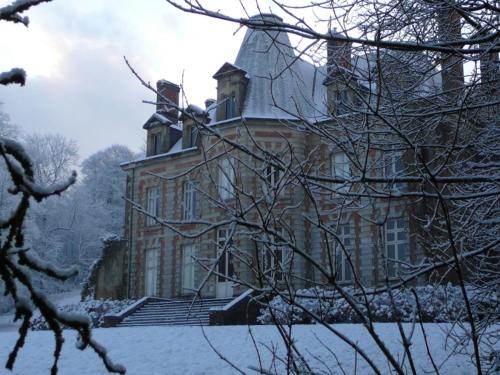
344	246
394	167
226	178
153	204
151	273
396	244
276	257
225	267
272	177
341	170
341	102
188	268
193	135
230	106
189	200
156	143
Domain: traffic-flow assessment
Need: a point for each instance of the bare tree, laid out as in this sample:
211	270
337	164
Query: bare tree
16	260
53	156
404	144
7	128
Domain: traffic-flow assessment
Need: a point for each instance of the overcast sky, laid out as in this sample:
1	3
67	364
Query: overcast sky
78	84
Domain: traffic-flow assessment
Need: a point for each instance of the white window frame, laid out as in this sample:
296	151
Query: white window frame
227	178
193	134
345	234
153	204
230	107
151	263
226	268
189	253
189	200
157	143
272	177
341	169
276	258
396	244
394	167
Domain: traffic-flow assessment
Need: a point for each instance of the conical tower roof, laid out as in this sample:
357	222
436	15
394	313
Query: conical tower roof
281	86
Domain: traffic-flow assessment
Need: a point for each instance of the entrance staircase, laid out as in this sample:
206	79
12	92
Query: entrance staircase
159	312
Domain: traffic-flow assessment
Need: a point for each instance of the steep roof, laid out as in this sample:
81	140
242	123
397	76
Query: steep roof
420	76
228	68
281	85
156	119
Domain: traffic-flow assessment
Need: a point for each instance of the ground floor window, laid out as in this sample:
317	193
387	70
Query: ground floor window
396	245
151	273
225	267
276	256
188	268
344	251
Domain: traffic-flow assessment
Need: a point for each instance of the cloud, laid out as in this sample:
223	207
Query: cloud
92	98
78	84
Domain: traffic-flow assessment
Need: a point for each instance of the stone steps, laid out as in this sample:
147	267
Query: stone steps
173	312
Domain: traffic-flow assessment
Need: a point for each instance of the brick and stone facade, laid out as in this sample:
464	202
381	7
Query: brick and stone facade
259	118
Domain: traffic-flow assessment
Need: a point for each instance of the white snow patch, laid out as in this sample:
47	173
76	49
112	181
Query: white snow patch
57	299
131	307
183	350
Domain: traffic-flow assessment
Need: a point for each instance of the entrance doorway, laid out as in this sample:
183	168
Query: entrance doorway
224	286
152	272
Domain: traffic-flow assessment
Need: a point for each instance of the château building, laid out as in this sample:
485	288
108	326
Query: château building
193	177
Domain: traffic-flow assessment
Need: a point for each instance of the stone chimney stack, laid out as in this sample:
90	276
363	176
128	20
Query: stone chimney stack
338	53
490	72
452	68
169	91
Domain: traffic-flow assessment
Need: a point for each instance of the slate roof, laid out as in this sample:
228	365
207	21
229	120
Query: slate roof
229	68
281	86
155	120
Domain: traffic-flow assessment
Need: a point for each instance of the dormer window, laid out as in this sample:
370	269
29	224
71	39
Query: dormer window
230	106
193	120
231	88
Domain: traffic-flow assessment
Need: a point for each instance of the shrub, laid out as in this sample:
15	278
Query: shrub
94	309
442	303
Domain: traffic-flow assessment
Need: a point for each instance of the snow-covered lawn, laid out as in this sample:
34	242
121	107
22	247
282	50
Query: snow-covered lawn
184	350
58	299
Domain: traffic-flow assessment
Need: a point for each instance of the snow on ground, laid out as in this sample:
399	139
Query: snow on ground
59	299
65	298
184	350
7	322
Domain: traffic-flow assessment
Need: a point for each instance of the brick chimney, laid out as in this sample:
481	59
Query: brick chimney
170	91
452	68
490	72
338	53
339	69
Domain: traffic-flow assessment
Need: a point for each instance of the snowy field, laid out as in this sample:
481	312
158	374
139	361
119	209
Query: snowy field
184	350
58	299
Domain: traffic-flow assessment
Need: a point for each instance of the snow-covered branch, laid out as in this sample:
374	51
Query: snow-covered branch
12	12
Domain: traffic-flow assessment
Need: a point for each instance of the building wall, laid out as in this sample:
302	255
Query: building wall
272	136
111	272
